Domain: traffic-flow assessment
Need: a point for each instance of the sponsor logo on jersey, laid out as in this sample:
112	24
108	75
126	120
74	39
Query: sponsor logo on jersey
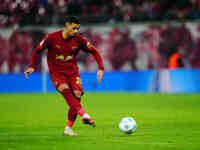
68	58
63	58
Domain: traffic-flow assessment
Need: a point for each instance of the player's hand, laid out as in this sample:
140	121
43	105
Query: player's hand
29	70
99	75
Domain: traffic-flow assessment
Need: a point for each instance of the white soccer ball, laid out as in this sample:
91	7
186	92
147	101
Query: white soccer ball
127	125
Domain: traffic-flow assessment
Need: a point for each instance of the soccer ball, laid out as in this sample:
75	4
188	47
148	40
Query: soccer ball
127	125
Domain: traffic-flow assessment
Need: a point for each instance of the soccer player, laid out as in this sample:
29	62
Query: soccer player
63	47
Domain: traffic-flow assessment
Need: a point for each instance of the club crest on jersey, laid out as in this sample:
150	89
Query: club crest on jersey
89	45
63	58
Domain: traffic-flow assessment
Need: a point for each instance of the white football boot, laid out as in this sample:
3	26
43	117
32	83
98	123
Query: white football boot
69	132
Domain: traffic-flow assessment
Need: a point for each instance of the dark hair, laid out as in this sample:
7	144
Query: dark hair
73	19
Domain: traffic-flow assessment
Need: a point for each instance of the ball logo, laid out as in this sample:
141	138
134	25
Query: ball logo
127	125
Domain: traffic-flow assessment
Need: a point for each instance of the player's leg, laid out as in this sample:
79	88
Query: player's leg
63	87
78	92
86	119
72	115
75	108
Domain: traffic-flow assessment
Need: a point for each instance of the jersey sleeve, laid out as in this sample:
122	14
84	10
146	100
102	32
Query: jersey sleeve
89	48
37	51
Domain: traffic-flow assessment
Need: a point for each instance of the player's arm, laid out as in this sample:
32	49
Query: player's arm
36	54
86	46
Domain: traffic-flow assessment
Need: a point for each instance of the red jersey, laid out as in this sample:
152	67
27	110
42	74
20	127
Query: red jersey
61	54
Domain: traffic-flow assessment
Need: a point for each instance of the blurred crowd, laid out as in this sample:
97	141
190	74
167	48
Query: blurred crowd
47	12
15	52
122	48
155	46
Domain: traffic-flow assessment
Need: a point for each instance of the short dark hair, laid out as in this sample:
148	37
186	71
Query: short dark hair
73	19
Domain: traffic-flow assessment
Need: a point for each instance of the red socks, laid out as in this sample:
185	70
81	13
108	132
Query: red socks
81	112
70	123
75	106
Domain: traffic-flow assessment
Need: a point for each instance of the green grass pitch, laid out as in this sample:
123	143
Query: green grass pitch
165	122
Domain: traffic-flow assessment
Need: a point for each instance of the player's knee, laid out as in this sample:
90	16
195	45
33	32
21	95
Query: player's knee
78	94
62	87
